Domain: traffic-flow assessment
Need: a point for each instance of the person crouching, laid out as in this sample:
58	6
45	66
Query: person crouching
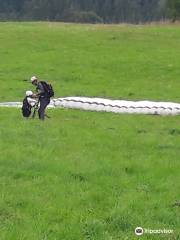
28	103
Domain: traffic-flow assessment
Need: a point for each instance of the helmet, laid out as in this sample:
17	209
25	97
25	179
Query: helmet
33	78
29	93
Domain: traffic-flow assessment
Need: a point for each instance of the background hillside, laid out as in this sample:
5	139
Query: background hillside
91	11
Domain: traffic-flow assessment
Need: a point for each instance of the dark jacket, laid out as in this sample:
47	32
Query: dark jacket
41	90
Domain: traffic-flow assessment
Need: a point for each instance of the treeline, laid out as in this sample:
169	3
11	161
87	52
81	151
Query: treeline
92	11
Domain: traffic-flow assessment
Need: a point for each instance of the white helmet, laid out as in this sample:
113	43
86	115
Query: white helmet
33	78
29	93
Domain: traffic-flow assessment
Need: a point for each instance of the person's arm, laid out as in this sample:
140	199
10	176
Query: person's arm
40	90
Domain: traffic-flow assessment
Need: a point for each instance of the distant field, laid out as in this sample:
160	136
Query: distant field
123	61
88	175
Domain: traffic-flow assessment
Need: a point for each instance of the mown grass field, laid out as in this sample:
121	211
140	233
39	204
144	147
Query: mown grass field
87	175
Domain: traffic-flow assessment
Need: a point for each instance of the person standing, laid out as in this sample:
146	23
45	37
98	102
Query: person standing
44	92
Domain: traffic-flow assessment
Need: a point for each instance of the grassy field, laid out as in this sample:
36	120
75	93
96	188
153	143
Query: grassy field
87	175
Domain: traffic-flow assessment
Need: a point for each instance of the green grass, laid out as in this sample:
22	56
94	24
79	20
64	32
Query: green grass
131	62
87	175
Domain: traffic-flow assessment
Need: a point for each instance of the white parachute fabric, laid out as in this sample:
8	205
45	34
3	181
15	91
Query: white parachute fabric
107	105
119	106
11	104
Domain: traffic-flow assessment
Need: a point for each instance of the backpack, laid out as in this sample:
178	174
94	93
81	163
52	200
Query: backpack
48	89
26	108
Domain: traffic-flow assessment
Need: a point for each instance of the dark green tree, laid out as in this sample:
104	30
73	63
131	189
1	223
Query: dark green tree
107	11
173	8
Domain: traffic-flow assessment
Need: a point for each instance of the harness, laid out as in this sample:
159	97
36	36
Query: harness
36	107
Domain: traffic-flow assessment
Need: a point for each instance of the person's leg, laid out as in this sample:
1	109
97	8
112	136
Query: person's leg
43	104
